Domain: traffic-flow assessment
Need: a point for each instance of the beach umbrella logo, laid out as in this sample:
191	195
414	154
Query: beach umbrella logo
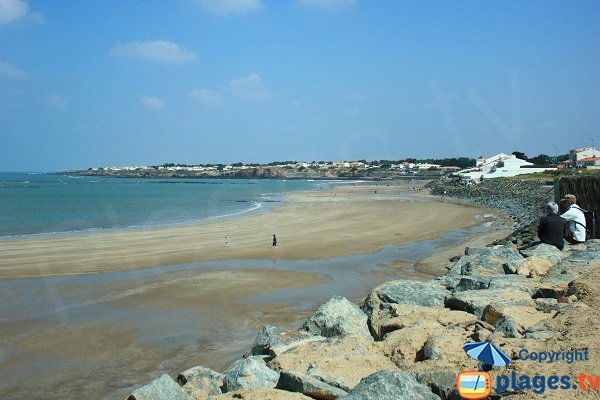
487	353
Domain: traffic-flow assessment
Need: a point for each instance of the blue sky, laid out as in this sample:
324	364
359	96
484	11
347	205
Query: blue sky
100	83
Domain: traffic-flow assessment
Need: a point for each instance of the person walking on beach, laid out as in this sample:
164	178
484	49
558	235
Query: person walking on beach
226	241
575	219
552	227
274	240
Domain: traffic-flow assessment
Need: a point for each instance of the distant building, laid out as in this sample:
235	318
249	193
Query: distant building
500	166
581	158
588	162
577	154
427	166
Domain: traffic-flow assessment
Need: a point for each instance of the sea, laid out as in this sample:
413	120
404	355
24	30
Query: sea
46	204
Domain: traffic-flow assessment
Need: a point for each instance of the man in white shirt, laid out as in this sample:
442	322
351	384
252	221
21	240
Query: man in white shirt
574	217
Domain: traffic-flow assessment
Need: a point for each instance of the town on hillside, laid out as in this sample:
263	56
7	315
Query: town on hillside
497	166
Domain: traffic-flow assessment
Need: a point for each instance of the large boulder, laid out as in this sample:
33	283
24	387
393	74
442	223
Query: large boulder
478	265
200	382
522	318
337	317
546	251
441	382
271	337
310	386
341	362
161	388
406	315
251	372
485	261
386	385
380	303
409	345
533	267
504	252
402	291
475	301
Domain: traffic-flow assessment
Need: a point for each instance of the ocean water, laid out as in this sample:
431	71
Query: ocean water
39	204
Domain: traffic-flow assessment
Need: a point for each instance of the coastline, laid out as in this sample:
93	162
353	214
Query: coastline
344	220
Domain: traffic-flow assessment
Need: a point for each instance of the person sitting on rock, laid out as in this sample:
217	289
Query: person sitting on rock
575	219
551	229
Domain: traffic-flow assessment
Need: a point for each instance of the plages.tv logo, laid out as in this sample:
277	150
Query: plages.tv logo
473	385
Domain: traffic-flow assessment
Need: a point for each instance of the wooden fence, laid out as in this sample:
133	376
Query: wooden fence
587	191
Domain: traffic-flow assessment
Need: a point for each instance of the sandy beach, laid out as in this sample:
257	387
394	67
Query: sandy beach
310	225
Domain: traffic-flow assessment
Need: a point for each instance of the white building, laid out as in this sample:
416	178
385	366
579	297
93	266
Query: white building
589	162
500	166
577	154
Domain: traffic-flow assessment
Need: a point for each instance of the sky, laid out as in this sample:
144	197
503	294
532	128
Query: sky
145	82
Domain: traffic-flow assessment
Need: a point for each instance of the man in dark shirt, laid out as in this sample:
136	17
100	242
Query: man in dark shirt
552	227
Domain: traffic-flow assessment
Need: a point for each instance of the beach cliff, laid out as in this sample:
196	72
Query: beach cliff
405	339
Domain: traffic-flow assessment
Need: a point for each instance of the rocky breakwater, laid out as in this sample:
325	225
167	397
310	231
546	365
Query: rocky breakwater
405	340
523	200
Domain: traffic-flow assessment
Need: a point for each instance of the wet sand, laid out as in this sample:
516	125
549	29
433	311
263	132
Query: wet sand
74	330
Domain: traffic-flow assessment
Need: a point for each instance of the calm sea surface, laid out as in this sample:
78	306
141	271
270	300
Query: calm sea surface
32	204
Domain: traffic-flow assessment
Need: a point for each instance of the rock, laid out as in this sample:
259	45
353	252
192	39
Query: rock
443	347
568	299
343	360
441	383
276	351
380	303
506	328
523	317
547	252
486	260
475	301
309	386
271	336
200	381
406	315
386	385
260	394
426	294
161	388
576	247
472	283
481	335
533	267
541	334
329	379
514	282
337	317
504	252
405	346
478	265
580	290
251	372
593	245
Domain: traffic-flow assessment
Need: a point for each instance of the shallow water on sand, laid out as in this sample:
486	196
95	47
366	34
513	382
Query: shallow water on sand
100	336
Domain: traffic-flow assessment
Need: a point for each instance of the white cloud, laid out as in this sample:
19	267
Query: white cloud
12	10
328	3
250	88
206	96
12	72
223	7
159	50
55	101
152	102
